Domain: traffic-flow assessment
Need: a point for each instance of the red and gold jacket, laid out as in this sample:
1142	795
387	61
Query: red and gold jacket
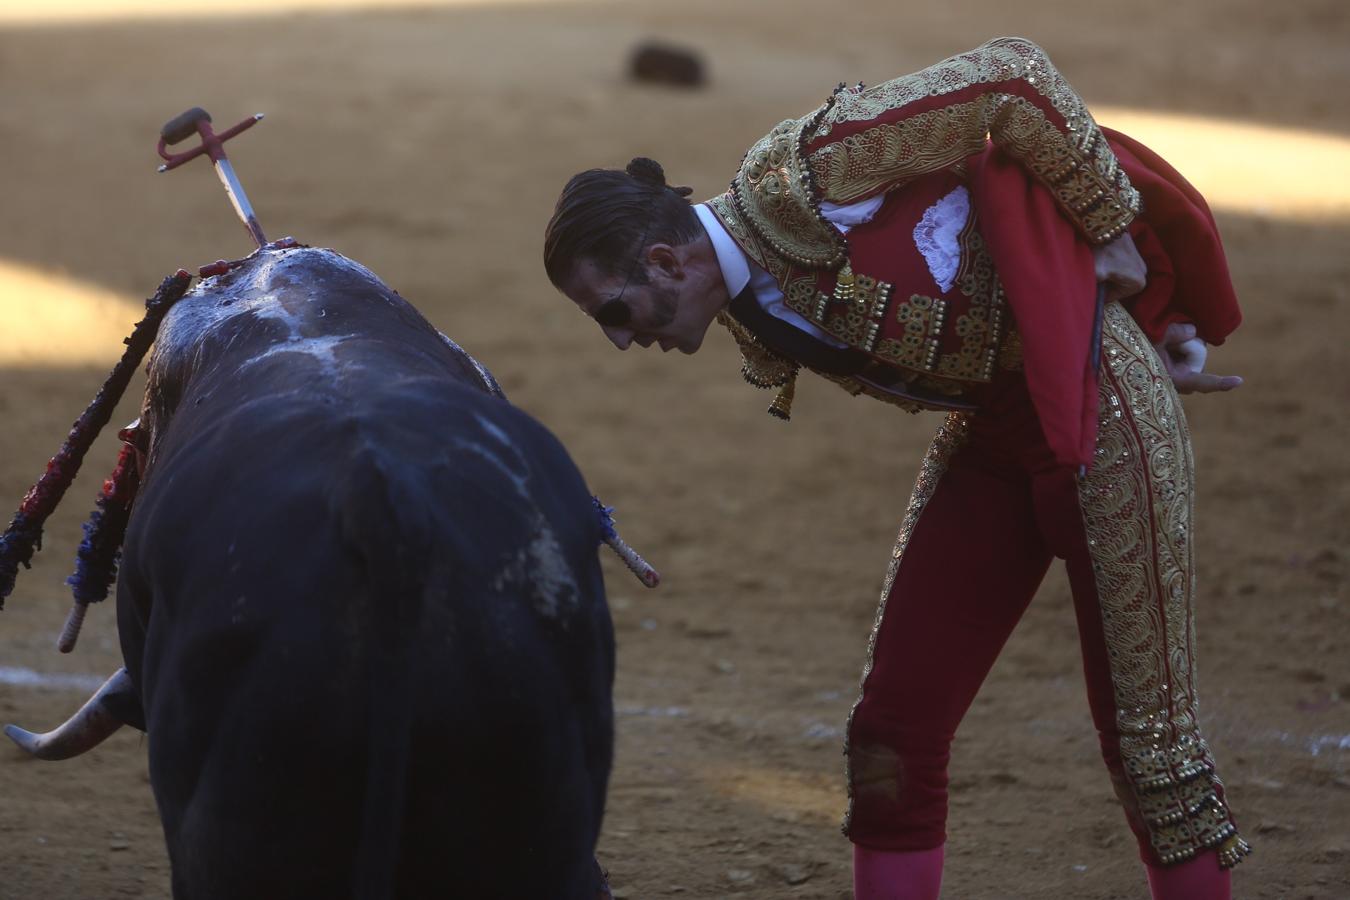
929	308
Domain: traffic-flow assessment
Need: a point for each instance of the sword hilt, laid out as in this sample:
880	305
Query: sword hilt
198	120
182	126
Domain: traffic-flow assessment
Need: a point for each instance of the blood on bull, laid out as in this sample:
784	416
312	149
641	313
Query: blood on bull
361	611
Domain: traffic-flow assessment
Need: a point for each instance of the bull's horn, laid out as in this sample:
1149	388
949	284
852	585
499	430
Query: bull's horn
85	730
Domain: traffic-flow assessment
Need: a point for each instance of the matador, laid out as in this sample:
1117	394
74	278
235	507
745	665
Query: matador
967	239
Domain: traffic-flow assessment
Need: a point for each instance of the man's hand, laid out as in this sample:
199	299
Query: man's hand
1120	267
1183	356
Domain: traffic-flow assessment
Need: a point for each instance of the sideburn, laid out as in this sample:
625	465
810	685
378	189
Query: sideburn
665	305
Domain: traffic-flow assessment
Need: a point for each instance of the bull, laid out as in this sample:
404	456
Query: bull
360	607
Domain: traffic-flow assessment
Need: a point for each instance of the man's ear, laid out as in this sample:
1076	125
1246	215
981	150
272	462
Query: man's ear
666	259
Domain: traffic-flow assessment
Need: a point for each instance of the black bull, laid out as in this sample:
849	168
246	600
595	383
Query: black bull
360	606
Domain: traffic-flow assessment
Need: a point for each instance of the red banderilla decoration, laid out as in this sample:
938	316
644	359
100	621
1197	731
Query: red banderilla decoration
197	119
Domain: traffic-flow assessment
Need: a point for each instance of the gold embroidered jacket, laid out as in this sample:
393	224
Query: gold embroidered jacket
864	143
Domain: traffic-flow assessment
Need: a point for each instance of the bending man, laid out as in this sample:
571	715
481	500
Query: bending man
937	242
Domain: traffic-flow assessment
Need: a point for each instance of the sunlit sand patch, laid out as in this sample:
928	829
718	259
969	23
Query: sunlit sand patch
1246	168
778	792
37	12
55	320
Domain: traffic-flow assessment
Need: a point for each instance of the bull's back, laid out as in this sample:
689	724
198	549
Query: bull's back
377	629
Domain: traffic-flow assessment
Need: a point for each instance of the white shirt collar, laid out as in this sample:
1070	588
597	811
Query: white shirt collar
730	258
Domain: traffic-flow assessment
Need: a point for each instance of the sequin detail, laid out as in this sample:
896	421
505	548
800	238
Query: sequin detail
1064	148
779	186
1137	502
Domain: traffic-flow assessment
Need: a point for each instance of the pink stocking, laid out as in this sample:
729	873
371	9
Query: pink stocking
1197	879
894	875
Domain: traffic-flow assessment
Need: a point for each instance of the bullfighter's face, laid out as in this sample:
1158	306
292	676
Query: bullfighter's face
671	299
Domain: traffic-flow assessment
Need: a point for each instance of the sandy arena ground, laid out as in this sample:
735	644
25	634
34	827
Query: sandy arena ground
429	143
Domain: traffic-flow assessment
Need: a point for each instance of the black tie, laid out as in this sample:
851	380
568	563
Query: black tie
786	340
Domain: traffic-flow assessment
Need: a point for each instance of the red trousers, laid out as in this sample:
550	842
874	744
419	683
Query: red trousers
989	513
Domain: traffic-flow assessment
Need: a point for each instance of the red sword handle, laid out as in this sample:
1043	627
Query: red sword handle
197	120
213	147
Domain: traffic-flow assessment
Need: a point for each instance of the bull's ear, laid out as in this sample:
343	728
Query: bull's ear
137	438
135	435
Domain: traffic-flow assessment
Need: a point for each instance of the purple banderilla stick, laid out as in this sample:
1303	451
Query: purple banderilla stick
639	566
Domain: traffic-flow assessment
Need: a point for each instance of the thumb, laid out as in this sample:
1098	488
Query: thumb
1178	332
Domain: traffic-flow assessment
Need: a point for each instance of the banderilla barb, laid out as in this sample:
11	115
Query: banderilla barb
636	564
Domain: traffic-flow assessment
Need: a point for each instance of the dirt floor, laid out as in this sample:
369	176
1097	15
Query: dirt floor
430	144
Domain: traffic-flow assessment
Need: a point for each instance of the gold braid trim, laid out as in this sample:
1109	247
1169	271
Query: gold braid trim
1137	503
759	365
794	281
888	156
724	207
950	437
1074	161
762	367
778	189
774	196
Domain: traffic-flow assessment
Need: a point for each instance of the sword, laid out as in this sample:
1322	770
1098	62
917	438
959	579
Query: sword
198	120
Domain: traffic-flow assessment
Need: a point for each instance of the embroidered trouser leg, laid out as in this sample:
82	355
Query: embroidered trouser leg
988	513
1133	578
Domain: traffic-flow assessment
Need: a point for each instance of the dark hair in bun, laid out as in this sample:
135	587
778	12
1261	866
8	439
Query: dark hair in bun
647	171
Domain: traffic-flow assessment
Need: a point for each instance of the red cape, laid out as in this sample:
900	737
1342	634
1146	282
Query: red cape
1046	267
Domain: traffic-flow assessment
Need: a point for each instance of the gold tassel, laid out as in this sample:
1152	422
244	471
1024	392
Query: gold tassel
781	407
1232	850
